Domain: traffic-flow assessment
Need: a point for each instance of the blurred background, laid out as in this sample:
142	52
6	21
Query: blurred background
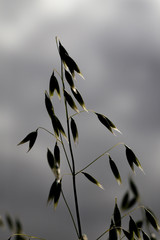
116	44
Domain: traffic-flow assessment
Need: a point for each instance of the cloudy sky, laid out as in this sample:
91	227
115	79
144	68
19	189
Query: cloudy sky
116	44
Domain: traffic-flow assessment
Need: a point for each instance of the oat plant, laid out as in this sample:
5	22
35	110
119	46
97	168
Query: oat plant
64	137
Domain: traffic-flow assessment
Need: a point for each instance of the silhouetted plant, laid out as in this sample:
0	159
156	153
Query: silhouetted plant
63	141
13	225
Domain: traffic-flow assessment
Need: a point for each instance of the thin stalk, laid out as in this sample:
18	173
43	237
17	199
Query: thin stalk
66	154
125	215
99	157
103	234
70	213
134	209
25	235
49	133
73	162
61	141
89	110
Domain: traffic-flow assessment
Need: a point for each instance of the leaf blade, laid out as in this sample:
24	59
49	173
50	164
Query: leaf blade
9	222
117	218
79	98
132	159
49	105
54	193
134	188
57	126
128	235
57	154
115	171
125	200
152	219
133	227
107	123
145	236
70	101
31	138
50	159
70	80
68	62
93	180
54	86
74	130
112	232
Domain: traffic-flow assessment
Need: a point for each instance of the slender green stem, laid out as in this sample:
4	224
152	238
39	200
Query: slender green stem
73	162
127	214
120	143
103	234
49	133
61	141
122	237
134	209
70	213
89	110
106	232
66	154
25	235
77	113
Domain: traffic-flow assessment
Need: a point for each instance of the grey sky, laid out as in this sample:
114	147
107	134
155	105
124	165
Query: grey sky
116	44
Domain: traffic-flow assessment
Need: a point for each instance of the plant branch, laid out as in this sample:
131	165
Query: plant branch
89	110
49	133
70	213
73	162
106	152
125	215
61	141
25	235
104	233
134	209
66	154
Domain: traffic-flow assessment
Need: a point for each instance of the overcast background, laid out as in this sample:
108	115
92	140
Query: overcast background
116	44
